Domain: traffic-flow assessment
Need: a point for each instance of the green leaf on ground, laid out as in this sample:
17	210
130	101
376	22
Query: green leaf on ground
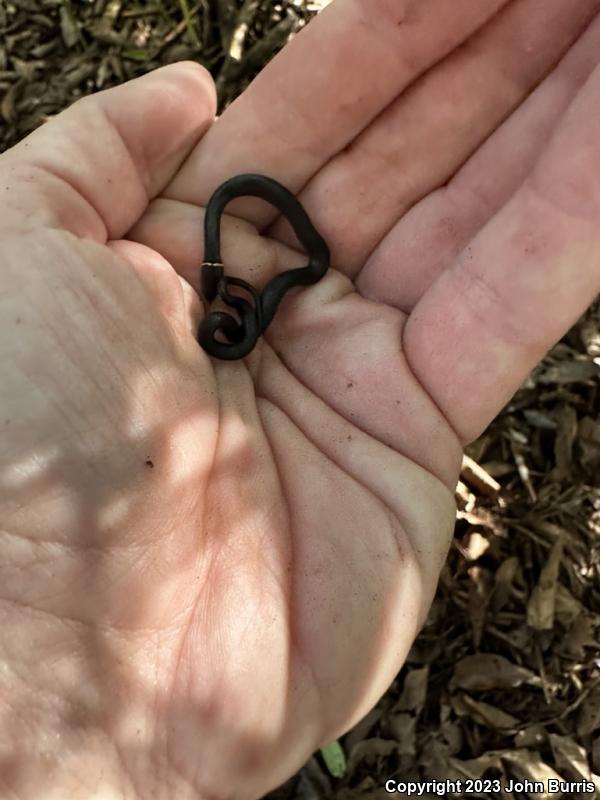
334	758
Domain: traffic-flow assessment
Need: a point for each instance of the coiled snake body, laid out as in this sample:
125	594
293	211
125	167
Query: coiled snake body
254	319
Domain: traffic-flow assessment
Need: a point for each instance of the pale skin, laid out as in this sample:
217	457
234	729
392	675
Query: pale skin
209	569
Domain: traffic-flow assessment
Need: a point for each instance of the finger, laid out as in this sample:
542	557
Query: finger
292	119
420	141
432	234
525	278
93	168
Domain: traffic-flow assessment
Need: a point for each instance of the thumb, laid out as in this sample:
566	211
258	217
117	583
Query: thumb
94	167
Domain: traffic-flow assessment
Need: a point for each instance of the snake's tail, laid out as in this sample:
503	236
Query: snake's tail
242	335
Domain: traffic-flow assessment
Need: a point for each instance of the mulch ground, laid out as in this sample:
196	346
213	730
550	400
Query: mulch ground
504	680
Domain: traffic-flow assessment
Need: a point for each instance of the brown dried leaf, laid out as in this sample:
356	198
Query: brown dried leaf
538	419
452	735
566	607
112	11
541	606
563	443
503	580
582	634
474	768
69	26
588	440
569	372
414	691
590	336
528	765
589	429
8	106
372	752
25	69
507	571
402	727
570	757
489	671
483	713
596	754
367	789
588	720
532	736
480	590
436	763
498	469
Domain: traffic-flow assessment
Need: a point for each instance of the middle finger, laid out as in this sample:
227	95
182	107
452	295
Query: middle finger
421	139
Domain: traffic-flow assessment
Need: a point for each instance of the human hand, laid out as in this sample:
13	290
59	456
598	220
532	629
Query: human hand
252	594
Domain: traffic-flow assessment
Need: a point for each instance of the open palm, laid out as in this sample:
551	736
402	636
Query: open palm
255	544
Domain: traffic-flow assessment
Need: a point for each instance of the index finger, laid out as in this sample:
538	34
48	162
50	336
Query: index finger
323	88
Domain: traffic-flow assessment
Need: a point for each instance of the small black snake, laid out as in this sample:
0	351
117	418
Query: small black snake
254	319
